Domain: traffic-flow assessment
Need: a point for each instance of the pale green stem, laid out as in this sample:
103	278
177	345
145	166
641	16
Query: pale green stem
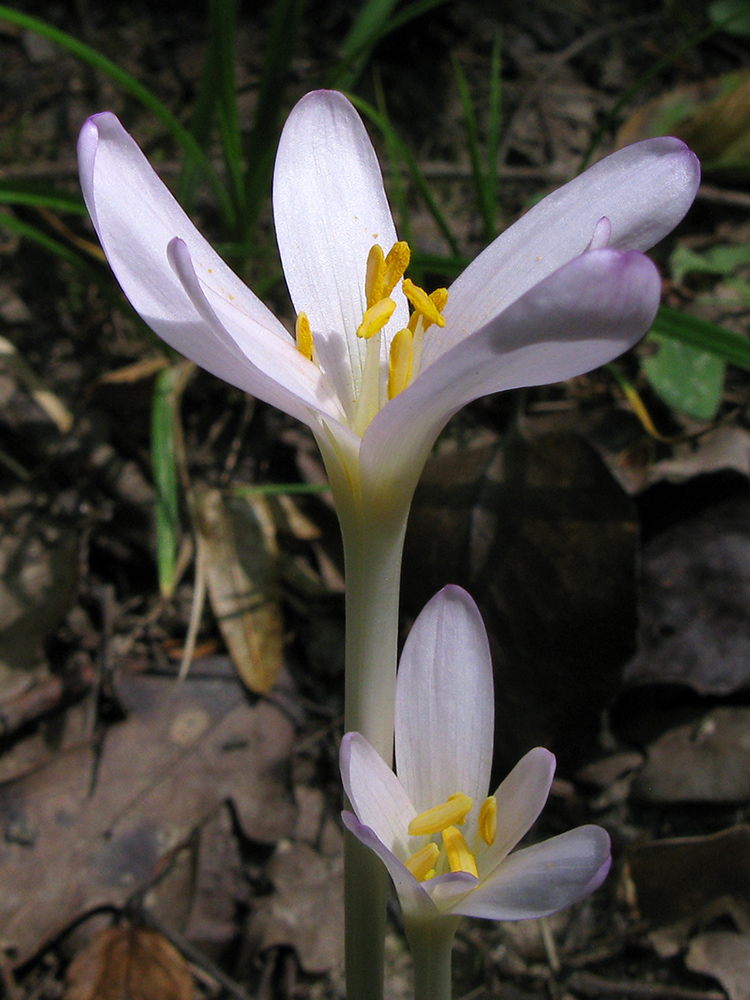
373	550
373	524
431	943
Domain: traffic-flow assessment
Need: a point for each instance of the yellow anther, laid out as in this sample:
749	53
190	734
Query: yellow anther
375	318
422	303
460	857
488	820
422	863
396	263
303	334
439	298
399	365
449	813
375	276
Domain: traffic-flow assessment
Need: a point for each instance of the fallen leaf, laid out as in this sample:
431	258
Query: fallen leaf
725	956
306	911
703	761
220	887
712	117
695	592
127	963
39	563
89	829
238	553
682	878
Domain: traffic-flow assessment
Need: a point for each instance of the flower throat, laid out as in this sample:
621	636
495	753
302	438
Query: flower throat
455	854
382	275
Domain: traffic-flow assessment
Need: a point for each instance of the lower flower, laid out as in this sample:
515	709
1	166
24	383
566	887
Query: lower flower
447	844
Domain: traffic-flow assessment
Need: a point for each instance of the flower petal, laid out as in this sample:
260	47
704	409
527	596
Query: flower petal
520	799
412	896
136	219
582	316
542	879
375	793
445	703
644	190
329	209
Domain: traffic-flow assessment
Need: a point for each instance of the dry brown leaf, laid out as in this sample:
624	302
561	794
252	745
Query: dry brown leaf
711	116
306	912
94	827
703	761
725	956
695	592
127	963
684	878
237	550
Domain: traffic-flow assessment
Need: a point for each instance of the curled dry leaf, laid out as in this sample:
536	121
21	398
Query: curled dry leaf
238	554
127	963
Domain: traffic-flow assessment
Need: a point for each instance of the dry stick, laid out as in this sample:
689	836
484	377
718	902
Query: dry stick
592	985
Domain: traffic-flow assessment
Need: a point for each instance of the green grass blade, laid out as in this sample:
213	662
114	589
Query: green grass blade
482	183
396	192
367	28
439	266
223	29
42	239
216	67
366	32
165	417
263	140
12	193
128	83
732	347
494	128
418	178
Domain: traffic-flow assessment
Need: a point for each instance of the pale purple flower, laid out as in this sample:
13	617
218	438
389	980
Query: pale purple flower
562	291
465	863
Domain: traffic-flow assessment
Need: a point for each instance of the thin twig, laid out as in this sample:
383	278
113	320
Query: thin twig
592	985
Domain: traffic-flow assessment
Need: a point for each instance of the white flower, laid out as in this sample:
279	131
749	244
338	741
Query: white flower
559	293
447	844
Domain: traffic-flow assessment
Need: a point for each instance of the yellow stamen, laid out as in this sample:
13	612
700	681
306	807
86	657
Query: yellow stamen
396	263
303	334
399	366
375	318
460	857
375	276
488	820
423	862
439	298
422	303
434	820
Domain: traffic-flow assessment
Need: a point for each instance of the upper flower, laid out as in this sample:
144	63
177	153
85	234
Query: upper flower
445	842
559	293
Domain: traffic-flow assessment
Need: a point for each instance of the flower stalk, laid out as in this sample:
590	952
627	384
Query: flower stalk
431	944
373	536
